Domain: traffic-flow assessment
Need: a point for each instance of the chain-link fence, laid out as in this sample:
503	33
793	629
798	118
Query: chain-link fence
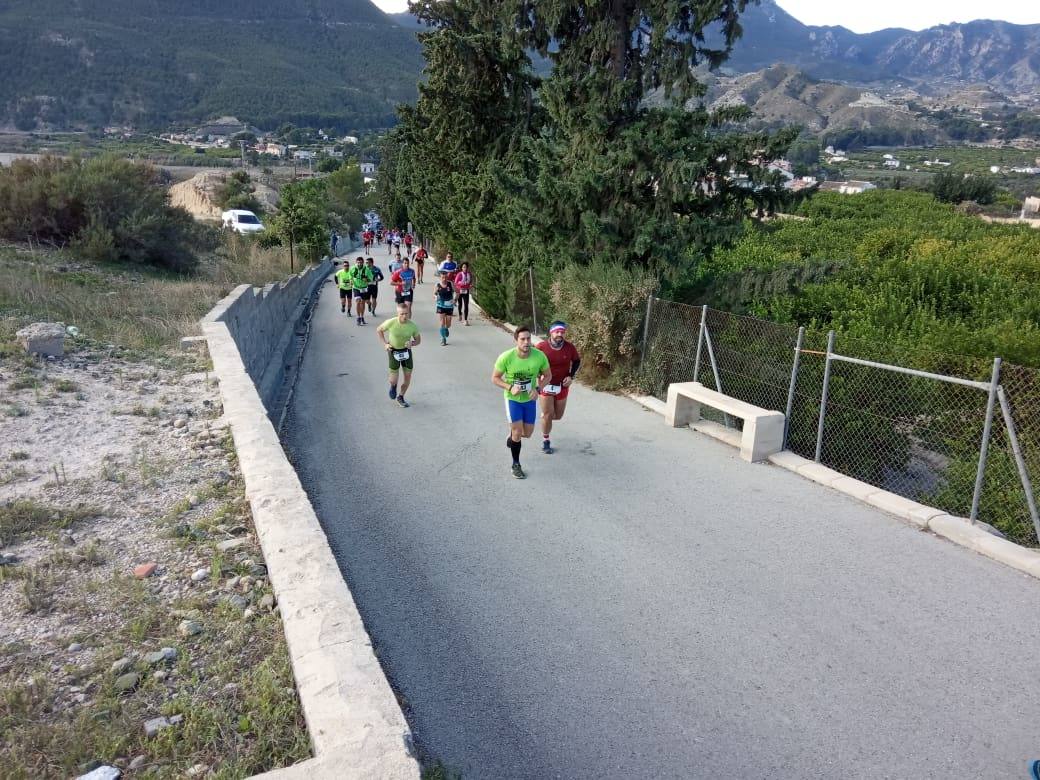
910	422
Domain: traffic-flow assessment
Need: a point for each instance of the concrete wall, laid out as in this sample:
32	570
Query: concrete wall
262	322
355	723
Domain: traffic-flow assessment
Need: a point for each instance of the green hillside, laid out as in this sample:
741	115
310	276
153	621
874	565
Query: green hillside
90	63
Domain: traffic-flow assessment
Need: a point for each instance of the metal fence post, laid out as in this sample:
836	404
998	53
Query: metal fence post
646	329
534	312
700	342
1020	461
794	381
980	476
715	371
823	398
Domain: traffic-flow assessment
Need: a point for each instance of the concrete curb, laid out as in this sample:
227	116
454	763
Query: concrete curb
356	726
956	529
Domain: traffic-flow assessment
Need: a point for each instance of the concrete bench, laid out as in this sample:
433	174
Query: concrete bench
763	433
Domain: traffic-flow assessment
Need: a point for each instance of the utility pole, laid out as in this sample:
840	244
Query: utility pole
242	147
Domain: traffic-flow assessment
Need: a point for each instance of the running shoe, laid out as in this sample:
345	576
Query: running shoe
518	472
444	342
402	403
546	447
393	392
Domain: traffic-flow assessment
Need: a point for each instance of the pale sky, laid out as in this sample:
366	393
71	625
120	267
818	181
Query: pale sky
878	14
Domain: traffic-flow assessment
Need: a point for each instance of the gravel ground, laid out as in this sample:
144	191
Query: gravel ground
109	464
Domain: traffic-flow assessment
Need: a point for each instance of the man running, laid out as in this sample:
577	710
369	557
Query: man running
448	265
360	278
403	281
398	336
521	372
463	285
373	288
346	287
564	362
408	244
420	262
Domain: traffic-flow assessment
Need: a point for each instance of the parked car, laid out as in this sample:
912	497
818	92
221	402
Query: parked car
241	221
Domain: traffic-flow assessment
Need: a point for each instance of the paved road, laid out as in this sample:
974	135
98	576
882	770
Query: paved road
646	604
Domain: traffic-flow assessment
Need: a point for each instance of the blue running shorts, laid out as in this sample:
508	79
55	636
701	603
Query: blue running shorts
522	411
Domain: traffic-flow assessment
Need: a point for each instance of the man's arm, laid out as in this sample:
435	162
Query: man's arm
381	333
498	381
575	365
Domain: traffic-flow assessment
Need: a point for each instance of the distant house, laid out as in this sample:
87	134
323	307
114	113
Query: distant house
891	162
847	187
367	167
348	139
275	150
1031	208
304	154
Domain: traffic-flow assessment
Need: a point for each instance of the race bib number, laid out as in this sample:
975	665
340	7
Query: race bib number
552	389
401	355
523	385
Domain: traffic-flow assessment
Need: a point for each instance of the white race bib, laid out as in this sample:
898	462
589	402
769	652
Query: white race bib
402	355
552	389
523	385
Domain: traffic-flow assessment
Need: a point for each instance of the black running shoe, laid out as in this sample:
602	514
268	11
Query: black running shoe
518	472
546	447
402	403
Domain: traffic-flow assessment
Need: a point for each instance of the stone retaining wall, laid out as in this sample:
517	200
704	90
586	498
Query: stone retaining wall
262	322
355	723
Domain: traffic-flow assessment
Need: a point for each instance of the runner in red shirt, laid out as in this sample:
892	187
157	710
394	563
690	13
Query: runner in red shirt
408	244
420	263
564	362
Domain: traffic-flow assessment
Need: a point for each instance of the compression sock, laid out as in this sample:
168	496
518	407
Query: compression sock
514	447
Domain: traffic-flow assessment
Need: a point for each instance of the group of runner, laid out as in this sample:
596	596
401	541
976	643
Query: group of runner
535	379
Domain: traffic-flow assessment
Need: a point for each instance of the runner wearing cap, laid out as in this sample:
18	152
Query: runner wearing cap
521	372
399	335
564	362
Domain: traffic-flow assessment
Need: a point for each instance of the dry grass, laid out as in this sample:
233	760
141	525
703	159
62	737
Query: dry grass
135	308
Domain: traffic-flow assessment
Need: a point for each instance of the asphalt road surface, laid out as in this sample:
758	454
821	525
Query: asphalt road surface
645	604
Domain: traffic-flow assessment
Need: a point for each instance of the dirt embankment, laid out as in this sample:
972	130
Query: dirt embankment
197	195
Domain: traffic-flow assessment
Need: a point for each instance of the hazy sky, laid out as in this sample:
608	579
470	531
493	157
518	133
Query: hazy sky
878	14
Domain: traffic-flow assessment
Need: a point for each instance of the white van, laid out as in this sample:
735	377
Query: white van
241	221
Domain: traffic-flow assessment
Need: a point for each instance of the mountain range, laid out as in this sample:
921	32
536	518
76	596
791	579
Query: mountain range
344	65
339	64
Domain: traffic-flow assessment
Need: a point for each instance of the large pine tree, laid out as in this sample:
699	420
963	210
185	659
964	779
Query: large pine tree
608	159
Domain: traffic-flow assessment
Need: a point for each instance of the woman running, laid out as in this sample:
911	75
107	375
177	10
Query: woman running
463	284
444	295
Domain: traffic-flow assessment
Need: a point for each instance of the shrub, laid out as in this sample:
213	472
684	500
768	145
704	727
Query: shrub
107	208
604	304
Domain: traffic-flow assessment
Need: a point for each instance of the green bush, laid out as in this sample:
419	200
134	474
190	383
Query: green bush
237	192
604	304
108	209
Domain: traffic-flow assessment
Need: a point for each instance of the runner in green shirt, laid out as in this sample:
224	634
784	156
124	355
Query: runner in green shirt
360	278
346	286
521	372
399	336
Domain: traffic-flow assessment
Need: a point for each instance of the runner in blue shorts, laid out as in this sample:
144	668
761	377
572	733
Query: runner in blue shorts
521	372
